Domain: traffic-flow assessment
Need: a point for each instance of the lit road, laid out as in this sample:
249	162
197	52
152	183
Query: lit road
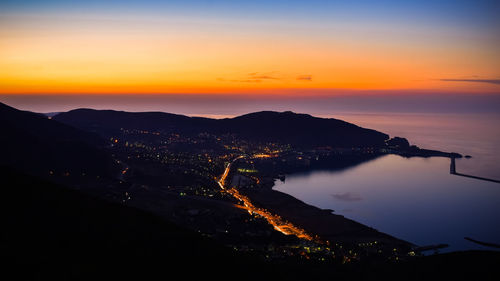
276	221
222	180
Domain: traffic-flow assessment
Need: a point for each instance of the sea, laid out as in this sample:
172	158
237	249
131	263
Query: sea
417	199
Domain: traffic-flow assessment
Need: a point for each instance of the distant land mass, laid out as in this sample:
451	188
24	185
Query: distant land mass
302	131
266	126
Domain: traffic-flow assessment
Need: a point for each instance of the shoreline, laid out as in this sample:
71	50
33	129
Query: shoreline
322	222
331	229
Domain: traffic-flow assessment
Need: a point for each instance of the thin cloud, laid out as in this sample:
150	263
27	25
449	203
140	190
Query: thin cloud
304	78
490	81
240	80
348	196
265	77
256	75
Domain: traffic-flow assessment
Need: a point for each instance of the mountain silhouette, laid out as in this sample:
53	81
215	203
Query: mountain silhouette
35	144
300	130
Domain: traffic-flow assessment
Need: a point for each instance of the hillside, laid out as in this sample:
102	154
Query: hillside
300	130
53	231
38	145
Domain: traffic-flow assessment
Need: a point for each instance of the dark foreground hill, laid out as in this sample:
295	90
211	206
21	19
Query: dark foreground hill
53	231
38	145
50	232
300	130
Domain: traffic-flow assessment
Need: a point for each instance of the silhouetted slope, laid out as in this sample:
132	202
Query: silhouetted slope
106	122
286	127
35	144
49	231
42	127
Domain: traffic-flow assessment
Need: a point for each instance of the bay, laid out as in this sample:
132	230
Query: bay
417	199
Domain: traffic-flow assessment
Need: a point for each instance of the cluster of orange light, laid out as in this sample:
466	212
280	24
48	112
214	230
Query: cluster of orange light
262	155
276	221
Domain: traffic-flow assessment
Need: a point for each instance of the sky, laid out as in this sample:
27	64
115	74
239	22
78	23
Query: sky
248	47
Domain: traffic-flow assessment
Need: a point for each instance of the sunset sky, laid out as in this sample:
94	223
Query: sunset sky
254	47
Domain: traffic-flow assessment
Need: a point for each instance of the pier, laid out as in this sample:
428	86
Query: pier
453	171
430	248
487	244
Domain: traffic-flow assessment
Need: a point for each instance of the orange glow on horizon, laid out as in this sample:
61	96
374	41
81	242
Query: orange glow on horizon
90	57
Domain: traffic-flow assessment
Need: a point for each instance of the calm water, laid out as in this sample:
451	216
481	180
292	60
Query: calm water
417	199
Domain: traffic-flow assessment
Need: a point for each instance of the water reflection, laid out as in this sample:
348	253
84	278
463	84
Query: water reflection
415	199
347	196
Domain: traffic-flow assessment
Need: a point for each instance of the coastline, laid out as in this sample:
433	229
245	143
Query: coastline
328	226
322	223
330	229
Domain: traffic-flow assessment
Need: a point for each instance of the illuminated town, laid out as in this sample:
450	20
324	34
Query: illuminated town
209	189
